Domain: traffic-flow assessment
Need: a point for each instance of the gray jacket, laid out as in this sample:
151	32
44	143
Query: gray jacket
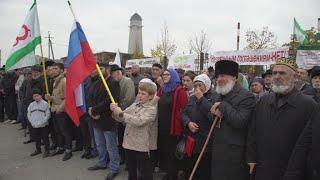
39	114
127	95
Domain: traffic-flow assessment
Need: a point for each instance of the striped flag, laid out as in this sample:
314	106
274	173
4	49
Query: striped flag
22	53
80	64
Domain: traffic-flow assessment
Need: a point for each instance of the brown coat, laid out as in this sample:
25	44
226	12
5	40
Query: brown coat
58	94
138	119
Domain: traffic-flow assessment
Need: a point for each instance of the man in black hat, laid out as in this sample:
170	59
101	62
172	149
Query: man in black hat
315	82
277	122
127	97
233	106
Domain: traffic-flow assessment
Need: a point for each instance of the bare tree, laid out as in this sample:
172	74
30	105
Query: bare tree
260	39
166	47
200	43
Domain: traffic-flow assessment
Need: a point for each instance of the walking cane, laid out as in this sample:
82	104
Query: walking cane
204	147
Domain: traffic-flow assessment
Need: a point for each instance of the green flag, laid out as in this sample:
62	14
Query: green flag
299	33
22	53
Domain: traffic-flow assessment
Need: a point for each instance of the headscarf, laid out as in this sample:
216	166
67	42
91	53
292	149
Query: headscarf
204	79
173	82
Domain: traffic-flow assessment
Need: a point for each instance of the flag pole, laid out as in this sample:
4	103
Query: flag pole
43	64
97	66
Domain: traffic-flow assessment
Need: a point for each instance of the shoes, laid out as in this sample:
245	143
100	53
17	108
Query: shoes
28	142
67	156
77	149
111	176
35	153
95	167
53	147
7	121
13	121
46	154
86	154
56	152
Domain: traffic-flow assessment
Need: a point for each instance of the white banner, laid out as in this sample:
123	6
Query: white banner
250	57
147	62
186	62
306	59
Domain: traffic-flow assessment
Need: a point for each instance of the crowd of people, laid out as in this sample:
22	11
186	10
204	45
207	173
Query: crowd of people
266	127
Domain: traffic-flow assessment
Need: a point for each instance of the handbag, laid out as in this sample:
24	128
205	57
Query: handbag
180	148
189	145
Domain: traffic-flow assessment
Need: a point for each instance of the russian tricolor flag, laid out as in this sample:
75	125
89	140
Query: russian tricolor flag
80	64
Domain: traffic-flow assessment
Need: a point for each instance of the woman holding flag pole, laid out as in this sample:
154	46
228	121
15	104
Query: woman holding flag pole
81	57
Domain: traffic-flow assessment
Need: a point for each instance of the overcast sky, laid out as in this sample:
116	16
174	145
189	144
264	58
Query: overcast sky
106	22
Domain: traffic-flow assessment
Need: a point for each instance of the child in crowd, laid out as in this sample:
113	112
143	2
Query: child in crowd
38	116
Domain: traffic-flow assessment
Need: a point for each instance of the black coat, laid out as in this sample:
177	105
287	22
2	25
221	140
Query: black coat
276	125
198	111
304	163
8	83
313	93
99	100
229	141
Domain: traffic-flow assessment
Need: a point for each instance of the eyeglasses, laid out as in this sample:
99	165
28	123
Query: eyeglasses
165	74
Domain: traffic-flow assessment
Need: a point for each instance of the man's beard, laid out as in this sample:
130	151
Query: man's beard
223	90
316	86
279	88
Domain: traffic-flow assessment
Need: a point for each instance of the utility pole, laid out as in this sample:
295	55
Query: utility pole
50	49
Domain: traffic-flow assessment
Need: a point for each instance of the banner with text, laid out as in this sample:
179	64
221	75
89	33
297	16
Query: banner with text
306	59
147	62
186	62
250	57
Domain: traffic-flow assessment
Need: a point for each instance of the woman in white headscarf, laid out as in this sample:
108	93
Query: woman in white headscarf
197	120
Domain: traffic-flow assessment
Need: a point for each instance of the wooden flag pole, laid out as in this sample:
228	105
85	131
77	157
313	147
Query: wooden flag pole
204	147
44	71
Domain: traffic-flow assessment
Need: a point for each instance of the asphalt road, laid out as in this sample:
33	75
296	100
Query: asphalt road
16	163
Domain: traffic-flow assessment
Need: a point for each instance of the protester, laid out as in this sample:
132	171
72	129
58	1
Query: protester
267	76
138	118
35	82
136	77
172	100
127	97
2	73
303	82
64	126
197	120
104	125
10	101
233	107
277	122
187	82
315	82
38	116
156	72
304	163
257	87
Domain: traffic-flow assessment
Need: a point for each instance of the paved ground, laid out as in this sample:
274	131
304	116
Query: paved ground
16	163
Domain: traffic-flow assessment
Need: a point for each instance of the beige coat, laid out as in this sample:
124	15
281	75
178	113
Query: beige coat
138	118
58	94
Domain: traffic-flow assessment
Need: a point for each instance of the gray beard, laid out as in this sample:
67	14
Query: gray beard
280	89
223	90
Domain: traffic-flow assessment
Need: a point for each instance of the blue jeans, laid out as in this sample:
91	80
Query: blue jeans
107	146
